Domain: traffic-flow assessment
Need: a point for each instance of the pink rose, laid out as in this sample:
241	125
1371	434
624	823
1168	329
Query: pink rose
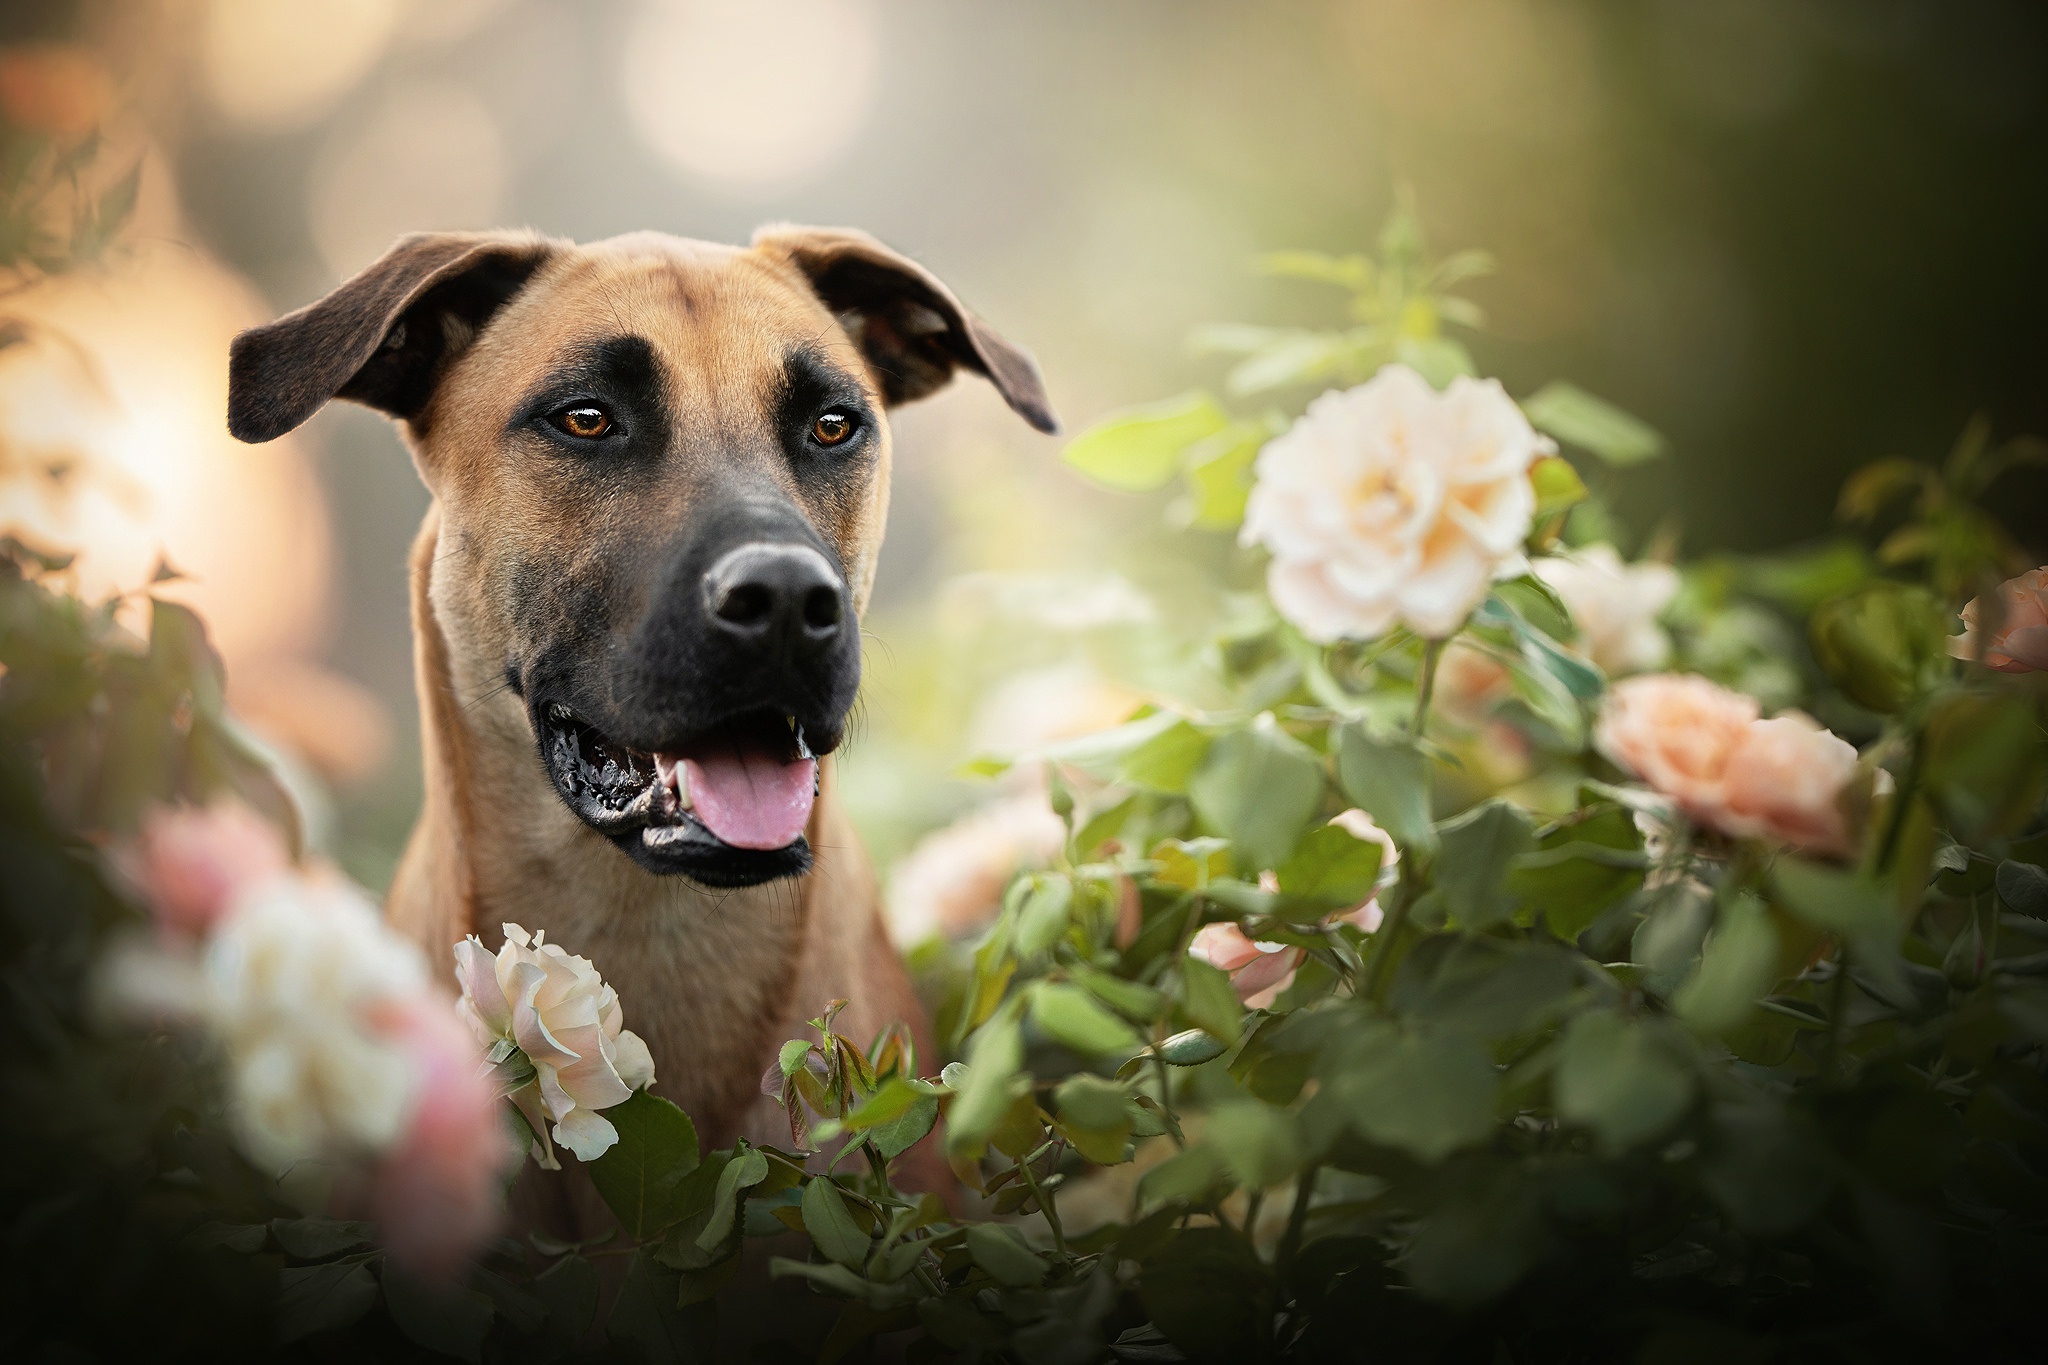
1359	825
1784	781
436	1193
2021	644
1705	748
1258	970
192	862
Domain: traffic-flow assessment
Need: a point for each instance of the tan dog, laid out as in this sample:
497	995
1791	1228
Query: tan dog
660	472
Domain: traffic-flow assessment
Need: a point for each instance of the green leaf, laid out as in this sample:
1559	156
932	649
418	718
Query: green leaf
900	1134
1166	759
1138	449
1739	965
998	1250
322	1298
1425	1093
1191	863
1576	417
1471	870
640	1177
1070	1015
1986	762
1860	911
1210	1001
1042	919
1258	787
747	1169
320	1239
831	1226
1210	1295
791	1058
1332	867
445	1319
994	1058
1189	1176
1132	999
1388	778
1557	484
1617	1078
1191	1048
1579	871
2024	887
1219	477
1259	1143
1095	1115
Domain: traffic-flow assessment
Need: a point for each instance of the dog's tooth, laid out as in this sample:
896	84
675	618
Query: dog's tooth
558	712
682	788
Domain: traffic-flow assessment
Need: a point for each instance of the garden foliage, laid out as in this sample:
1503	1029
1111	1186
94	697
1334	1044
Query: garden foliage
1594	1081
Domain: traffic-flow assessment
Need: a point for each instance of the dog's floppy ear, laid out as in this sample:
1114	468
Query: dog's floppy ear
383	338
908	325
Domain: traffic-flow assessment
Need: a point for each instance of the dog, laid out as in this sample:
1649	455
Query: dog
660	473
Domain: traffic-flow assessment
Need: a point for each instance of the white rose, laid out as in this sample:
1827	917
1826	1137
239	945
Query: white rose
1391	502
1615	606
298	977
557	1012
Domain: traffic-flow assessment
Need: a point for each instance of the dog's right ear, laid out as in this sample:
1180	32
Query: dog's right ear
384	338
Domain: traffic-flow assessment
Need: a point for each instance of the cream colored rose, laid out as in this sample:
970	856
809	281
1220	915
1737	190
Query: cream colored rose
1705	747
2021	644
1393	503
1258	970
298	978
535	1002
1615	606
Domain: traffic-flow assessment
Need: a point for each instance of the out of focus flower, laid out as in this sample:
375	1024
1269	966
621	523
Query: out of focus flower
952	883
2021	644
1470	682
1784	783
297	977
1704	746
1258	970
436	1194
336	1046
557	1039
1391	503
1615	606
191	863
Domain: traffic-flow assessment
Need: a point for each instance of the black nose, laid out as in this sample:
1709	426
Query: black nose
769	594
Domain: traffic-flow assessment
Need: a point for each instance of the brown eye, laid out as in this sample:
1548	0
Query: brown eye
586	421
831	428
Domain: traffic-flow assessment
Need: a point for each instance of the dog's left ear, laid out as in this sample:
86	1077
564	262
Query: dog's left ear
912	330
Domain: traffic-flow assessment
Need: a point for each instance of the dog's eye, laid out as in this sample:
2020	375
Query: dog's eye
833	427
585	421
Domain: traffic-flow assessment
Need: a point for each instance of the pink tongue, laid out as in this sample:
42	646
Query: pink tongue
751	800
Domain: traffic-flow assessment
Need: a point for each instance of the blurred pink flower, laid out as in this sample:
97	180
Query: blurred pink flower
1784	782
437	1192
1359	825
1258	971
191	862
2021	644
1705	747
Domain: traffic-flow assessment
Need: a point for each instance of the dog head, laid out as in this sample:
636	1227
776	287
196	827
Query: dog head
662	470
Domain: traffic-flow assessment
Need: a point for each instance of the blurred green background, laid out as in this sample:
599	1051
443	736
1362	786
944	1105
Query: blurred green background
1792	234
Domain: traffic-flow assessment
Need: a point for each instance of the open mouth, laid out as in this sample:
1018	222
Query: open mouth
726	807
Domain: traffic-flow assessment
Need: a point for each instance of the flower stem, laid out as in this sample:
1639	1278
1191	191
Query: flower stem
1045	1205
1425	682
1297	1219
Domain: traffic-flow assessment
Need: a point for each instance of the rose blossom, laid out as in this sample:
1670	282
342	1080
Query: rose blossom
1391	502
566	1022
952	883
1783	782
2021	645
191	862
435	1195
1259	970
1615	606
1705	748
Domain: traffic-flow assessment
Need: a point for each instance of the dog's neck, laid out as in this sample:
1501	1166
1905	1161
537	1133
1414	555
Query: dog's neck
705	977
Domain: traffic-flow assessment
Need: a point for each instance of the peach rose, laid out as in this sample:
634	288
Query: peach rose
2021	645
1366	915
1784	783
1675	731
1705	748
1391	503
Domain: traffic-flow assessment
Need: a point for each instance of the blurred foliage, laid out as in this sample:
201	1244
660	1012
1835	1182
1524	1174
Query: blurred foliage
1580	1095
